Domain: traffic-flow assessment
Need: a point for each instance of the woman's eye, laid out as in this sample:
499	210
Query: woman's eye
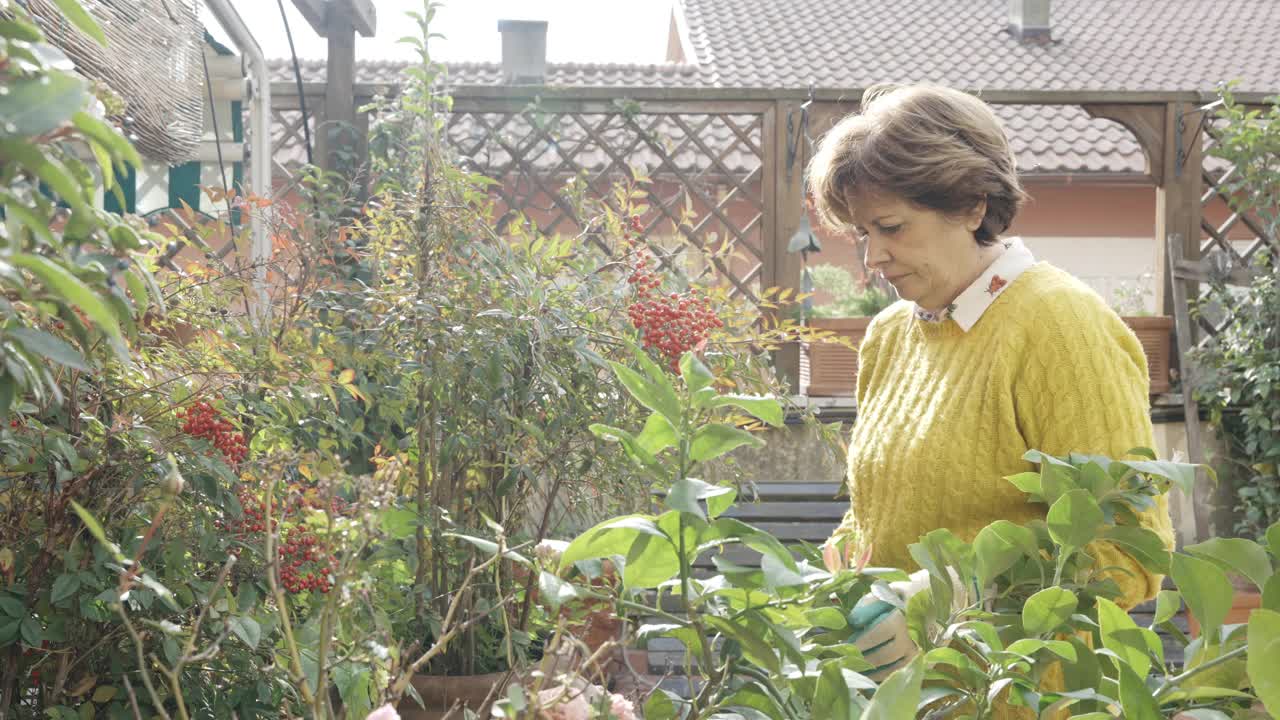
890	229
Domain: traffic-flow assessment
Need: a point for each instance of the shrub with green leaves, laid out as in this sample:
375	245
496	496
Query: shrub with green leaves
1237	372
1003	612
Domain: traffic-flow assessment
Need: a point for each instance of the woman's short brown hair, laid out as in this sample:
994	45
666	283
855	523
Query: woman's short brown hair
934	146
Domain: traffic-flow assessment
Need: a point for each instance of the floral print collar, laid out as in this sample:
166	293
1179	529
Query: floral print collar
974	301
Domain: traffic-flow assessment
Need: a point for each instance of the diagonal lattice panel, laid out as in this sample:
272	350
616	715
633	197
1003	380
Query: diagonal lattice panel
702	174
1232	239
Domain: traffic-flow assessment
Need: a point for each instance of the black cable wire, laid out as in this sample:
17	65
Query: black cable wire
217	143
297	75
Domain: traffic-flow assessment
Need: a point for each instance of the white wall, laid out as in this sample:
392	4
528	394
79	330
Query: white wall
1113	266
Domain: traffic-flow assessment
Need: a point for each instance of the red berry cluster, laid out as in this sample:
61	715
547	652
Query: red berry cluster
202	420
670	324
253	519
304	564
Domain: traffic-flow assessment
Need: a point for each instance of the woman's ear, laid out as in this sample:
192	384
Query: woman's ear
974	219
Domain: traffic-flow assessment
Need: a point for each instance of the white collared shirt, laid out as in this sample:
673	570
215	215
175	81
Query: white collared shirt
974	301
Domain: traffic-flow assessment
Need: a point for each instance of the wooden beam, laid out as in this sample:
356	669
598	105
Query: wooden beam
845	98
1178	196
339	91
362	13
783	268
1146	122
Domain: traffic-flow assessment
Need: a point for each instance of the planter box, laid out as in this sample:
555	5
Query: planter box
440	693
1156	335
828	370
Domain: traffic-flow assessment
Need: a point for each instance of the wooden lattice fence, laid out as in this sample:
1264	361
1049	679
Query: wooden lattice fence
699	172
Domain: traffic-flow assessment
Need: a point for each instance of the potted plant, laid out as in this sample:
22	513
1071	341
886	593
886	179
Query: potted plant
1155	332
830	368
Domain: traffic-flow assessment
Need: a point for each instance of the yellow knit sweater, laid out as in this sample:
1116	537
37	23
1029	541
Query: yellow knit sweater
945	415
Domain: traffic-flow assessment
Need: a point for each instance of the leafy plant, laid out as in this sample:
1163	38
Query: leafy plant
1000	614
1237	371
849	298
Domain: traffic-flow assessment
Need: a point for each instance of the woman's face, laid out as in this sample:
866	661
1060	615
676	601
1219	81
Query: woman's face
927	256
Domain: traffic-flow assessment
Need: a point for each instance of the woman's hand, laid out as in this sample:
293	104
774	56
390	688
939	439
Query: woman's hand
880	628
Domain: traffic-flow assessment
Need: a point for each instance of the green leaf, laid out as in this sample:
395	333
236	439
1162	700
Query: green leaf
64	587
1136	697
1142	544
1271	594
642	457
1030	646
686	492
38	104
1027	482
751	695
1264	657
1181	474
1114	621
32	633
160	590
661	705
658	434
69	287
79	17
831	694
554	591
247	629
9	630
1243	556
12	606
1168	603
754	648
1206	589
695	374
29	220
1074	519
95	530
899	695
490	547
42	343
656	396
107	136
712	441
1273	539
400	523
1048	609
998	546
609	538
828	617
767	409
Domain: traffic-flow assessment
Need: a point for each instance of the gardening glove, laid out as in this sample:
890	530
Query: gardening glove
880	628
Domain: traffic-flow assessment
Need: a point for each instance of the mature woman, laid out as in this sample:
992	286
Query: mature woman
988	354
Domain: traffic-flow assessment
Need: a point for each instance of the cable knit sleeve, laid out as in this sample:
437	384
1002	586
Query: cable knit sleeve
867	352
1084	388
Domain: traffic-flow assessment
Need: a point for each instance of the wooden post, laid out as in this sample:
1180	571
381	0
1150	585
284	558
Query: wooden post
784	268
1178	196
338	141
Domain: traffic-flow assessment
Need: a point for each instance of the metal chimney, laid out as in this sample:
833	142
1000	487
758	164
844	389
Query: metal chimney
524	51
1029	20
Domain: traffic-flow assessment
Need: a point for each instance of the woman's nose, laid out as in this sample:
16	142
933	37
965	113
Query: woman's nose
876	253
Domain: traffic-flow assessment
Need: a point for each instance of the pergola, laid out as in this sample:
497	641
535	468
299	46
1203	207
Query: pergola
728	163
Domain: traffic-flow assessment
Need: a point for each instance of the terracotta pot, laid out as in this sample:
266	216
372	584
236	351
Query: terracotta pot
1156	335
829	370
440	692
